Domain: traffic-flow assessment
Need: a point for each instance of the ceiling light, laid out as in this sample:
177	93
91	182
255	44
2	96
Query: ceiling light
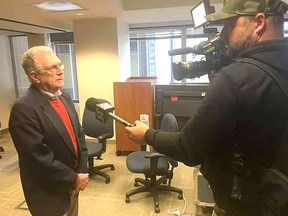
58	7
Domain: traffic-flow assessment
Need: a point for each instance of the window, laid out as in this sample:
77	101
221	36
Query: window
192	41
149	51
286	28
66	53
19	45
150	46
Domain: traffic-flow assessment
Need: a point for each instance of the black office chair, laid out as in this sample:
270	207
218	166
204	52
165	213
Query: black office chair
153	164
101	132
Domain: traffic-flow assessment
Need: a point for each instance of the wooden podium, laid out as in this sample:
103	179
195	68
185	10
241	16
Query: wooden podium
130	100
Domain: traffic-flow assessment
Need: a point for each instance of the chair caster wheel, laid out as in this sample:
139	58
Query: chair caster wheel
113	168
136	184
180	196
127	200
1	149
107	181
157	209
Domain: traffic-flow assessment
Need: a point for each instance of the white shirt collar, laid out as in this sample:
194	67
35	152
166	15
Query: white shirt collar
50	95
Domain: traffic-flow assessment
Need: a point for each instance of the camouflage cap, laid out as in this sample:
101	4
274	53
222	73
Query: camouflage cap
234	8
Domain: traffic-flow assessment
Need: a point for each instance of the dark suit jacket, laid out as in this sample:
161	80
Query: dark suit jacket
47	158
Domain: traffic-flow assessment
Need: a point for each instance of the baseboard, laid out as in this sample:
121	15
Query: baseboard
110	141
4	131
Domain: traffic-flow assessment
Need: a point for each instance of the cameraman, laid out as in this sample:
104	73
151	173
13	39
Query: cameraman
244	107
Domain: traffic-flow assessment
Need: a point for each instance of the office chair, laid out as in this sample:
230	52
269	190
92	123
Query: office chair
101	132
153	164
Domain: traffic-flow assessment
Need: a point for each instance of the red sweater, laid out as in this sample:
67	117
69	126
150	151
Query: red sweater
63	114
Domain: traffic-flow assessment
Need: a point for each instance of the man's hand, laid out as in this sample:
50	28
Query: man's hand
137	133
81	184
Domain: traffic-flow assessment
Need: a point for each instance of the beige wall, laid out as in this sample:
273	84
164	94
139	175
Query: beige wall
102	57
97	56
123	50
36	40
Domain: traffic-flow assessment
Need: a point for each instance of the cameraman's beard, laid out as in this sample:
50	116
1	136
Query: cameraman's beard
240	45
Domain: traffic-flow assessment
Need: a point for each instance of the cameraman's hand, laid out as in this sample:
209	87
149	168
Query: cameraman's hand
137	133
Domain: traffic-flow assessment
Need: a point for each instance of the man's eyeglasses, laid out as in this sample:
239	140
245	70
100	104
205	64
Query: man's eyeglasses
55	68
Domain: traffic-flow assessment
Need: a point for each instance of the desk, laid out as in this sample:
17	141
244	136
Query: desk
131	99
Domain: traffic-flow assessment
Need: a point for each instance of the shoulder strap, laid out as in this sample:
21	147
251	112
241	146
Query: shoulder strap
238	163
282	82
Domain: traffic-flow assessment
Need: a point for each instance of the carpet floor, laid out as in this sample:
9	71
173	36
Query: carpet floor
100	198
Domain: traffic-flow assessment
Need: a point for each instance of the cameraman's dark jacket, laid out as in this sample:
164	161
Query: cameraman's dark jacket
243	106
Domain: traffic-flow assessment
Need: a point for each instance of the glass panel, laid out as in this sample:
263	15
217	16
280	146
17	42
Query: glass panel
65	52
285	27
134	58
150	58
19	46
149	52
163	61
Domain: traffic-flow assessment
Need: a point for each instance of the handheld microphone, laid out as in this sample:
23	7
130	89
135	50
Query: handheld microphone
103	111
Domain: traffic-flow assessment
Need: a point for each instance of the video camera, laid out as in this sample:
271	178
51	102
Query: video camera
214	48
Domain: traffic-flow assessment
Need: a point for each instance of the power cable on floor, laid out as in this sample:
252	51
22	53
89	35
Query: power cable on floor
176	211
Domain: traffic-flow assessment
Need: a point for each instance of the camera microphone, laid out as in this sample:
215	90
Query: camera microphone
103	111
204	48
181	51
